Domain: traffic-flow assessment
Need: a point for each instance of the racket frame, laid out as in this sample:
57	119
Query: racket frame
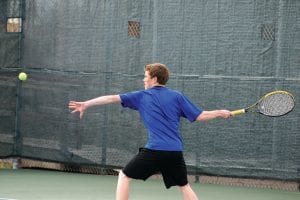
253	108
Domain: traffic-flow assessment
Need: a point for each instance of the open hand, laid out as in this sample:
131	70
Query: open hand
77	107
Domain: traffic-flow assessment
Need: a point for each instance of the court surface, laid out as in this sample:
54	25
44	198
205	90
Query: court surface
28	184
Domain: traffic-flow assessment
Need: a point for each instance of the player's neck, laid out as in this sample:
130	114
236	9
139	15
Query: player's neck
158	85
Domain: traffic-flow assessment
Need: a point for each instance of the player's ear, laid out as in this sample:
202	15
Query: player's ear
154	79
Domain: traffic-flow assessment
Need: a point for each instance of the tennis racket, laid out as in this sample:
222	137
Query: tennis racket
273	104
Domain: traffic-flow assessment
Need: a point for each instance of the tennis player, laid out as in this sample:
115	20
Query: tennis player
160	109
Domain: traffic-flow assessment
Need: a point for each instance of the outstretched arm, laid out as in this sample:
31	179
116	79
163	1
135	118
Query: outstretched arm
82	106
209	115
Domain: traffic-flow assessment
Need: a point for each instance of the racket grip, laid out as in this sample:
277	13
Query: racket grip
237	112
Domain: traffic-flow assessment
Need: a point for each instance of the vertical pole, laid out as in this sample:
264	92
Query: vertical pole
17	136
17	151
108	54
155	16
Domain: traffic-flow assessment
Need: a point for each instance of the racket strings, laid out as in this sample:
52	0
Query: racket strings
277	104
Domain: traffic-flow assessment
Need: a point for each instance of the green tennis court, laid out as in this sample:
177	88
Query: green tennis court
27	184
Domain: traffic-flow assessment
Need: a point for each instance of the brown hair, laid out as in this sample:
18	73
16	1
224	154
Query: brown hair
158	70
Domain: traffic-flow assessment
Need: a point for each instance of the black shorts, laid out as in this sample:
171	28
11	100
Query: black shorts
147	162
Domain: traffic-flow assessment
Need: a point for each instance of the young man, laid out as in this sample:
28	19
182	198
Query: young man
160	109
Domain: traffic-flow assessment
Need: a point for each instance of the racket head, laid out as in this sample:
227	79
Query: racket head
275	104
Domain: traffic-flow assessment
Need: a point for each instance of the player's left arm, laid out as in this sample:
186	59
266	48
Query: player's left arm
213	114
103	100
80	107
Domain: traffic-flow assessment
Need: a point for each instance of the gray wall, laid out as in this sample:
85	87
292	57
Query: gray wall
217	53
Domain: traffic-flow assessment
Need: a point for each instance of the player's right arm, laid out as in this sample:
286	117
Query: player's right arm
213	114
102	100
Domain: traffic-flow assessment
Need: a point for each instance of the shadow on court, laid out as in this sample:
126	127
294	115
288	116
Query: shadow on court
25	184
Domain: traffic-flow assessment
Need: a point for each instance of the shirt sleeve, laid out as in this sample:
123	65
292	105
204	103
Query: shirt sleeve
131	99
188	109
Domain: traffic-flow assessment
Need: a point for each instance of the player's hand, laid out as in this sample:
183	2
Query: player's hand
77	107
225	114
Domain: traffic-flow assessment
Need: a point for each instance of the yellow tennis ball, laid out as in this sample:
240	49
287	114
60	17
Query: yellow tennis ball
23	76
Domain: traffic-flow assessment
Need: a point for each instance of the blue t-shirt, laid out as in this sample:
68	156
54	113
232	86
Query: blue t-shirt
160	109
